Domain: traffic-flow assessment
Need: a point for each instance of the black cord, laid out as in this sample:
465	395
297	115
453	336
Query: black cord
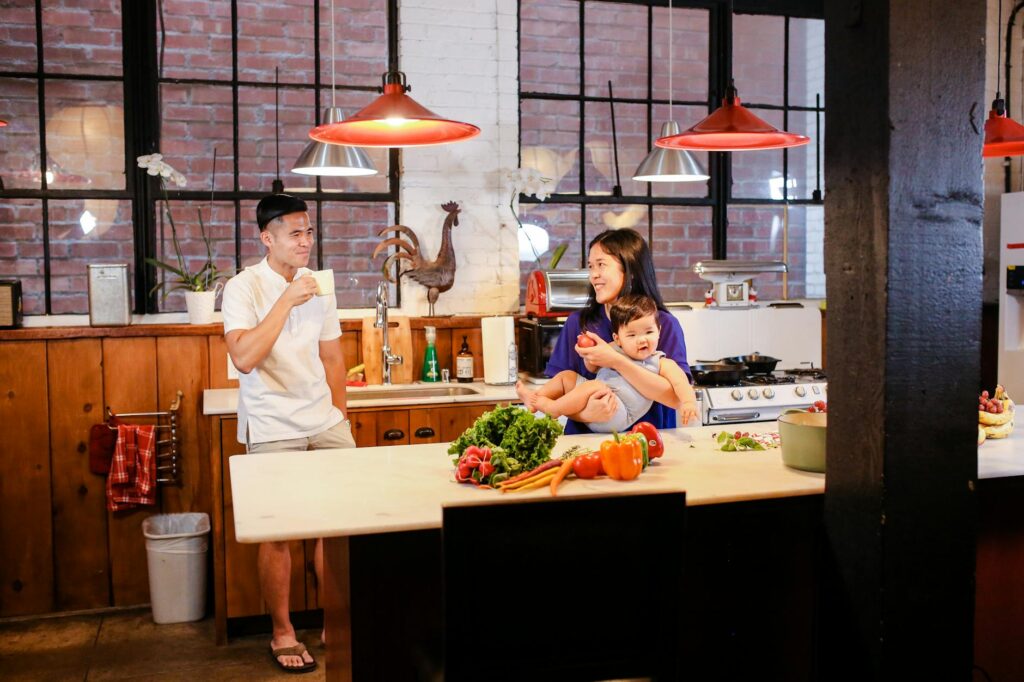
617	190
277	187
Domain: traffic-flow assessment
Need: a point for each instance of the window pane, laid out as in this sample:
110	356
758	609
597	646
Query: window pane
348	238
257	166
682	237
86	232
758	233
85	135
689	54
276	34
252	248
549	141
758	174
546	226
803	161
615	217
615	39
549	46
812	218
806	61
82	36
18	36
219	221
194	120
19	141
598	148
361	42
350	102
21	251
685	117
198	39
758	58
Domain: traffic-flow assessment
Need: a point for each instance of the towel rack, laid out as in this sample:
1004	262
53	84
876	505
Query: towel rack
167	460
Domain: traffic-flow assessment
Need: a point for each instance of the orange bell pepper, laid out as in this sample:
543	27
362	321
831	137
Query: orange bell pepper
622	459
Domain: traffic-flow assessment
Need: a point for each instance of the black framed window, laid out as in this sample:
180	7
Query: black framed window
89	88
757	205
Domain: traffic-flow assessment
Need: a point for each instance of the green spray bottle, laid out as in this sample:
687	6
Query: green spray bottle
431	369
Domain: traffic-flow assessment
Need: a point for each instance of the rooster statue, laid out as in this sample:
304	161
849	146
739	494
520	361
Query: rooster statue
437	275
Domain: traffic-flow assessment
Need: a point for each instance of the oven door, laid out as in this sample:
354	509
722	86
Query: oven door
537	339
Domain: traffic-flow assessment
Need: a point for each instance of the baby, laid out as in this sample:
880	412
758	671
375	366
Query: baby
634	321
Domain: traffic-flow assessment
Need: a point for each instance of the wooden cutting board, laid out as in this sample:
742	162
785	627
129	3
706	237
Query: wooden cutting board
400	339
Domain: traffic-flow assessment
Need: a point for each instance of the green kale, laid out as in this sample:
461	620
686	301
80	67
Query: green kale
530	439
518	440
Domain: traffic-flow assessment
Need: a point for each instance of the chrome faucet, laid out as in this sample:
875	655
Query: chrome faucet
381	322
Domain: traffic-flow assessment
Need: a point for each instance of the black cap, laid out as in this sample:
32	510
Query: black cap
276	205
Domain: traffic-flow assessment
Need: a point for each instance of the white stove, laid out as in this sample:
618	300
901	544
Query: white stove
760	398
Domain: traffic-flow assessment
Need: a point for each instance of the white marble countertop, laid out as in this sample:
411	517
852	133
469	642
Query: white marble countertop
221	401
332	493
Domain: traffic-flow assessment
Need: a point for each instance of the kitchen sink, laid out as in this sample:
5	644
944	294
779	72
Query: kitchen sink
412	392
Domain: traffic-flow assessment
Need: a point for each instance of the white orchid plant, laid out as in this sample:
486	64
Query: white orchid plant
530	182
204	279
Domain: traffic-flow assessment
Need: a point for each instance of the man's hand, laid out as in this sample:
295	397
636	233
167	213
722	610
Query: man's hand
600	408
688	411
299	291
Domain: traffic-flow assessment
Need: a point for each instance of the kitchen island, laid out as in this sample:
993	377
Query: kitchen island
753	537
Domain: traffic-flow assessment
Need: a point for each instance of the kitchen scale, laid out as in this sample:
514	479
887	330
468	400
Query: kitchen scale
730	279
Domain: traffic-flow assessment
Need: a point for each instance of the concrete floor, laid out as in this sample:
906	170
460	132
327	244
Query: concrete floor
129	646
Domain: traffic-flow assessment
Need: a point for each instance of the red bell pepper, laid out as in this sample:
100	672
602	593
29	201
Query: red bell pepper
655	443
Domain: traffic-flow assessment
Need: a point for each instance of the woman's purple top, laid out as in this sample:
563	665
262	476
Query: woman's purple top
564	357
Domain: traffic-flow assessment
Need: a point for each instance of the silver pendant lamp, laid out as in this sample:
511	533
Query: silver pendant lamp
670	165
319	158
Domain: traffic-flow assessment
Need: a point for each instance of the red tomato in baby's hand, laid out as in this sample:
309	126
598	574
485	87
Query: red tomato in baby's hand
584	341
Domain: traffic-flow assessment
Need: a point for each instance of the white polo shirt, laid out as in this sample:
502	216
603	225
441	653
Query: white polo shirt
286	396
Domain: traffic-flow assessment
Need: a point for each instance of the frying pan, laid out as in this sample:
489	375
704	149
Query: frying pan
717	373
756	363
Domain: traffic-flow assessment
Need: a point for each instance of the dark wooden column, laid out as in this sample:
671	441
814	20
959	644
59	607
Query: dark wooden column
903	257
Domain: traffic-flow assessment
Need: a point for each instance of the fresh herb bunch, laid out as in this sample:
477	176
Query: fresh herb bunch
518	440
731	442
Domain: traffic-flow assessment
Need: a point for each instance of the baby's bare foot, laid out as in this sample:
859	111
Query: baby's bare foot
526	395
545	405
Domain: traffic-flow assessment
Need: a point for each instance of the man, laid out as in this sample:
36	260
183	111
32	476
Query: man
290	398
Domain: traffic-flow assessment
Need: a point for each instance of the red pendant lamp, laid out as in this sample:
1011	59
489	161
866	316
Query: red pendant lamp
732	128
1003	135
394	120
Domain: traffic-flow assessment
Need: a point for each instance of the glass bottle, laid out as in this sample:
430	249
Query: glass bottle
464	363
431	371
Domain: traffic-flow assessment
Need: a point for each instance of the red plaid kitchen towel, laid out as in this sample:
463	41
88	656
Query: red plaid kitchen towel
132	478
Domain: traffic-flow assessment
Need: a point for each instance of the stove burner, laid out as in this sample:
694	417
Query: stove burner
808	372
767	379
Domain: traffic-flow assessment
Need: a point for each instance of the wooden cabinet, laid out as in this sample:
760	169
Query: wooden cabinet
236	584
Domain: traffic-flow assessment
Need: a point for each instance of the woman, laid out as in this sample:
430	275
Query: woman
619	263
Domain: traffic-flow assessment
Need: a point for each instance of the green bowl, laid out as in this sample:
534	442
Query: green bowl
802	439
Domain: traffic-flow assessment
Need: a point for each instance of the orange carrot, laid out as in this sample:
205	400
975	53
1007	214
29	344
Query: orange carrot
563	471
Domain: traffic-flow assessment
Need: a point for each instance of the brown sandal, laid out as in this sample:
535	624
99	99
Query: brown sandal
297	650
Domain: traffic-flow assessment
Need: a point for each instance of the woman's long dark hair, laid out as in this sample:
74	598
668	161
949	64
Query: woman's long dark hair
630	249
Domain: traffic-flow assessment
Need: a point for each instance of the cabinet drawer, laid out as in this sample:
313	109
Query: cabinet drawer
425	425
393	427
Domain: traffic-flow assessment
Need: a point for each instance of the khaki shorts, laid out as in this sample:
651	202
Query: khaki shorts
338	436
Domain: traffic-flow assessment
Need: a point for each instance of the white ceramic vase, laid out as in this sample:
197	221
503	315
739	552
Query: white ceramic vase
200	305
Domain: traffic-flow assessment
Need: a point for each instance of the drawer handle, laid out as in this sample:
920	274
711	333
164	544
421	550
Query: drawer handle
394	434
424	432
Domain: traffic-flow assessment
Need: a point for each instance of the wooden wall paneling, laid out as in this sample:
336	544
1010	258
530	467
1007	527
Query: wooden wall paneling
455	420
129	385
183	364
242	581
350	349
474	339
26	570
218	353
81	555
364	428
